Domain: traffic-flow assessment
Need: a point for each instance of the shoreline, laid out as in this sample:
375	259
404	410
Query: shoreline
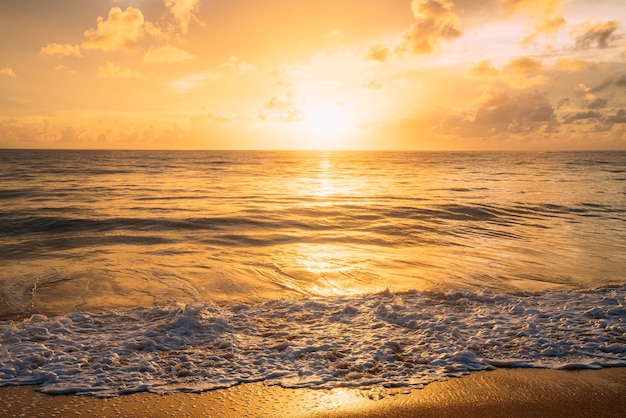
498	393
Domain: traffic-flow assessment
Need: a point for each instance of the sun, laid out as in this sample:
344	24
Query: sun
327	125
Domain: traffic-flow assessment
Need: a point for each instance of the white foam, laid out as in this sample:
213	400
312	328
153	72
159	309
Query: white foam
384	340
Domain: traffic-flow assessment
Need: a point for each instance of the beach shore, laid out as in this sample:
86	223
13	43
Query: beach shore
499	393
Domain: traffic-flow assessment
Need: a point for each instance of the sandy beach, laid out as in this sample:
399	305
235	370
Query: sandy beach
500	393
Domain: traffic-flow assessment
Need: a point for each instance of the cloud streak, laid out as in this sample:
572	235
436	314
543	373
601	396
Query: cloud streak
546	16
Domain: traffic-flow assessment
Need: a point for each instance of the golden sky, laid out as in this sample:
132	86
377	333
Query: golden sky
285	74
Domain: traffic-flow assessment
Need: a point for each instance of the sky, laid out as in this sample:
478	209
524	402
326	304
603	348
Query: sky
284	74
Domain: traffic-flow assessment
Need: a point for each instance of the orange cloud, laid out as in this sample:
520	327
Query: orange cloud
111	70
237	66
590	100
523	65
193	81
484	69
167	54
8	72
574	65
184	11
499	113
546	15
600	34
435	21
281	109
61	50
377	52
519	73
121	30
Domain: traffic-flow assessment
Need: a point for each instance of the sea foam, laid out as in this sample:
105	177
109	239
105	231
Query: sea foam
386	340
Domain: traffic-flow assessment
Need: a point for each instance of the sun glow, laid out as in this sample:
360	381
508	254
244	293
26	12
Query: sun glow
327	125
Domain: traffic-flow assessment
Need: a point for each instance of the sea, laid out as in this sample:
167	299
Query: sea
166	271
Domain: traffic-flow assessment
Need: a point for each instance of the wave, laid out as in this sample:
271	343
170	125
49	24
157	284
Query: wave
302	216
385	340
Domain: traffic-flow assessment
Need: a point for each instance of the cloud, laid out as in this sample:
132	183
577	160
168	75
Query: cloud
282	109
435	22
599	34
546	27
220	117
292	115
120	31
619	117
546	16
377	52
500	113
621	81
518	73
610	82
237	66
155	31
234	66
574	65
523	65
335	33
523	72
23	133
584	116
193	81
582	89
599	122
167	54
276	103
372	85
184	11
65	69
589	100
498	120
61	50
598	103
484	69
111	70
8	72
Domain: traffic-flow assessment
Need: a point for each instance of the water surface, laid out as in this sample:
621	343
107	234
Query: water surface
127	271
96	230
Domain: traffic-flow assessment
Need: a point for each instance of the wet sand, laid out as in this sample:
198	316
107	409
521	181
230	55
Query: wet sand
500	393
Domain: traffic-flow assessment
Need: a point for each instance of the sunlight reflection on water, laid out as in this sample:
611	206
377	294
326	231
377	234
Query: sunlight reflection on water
152	228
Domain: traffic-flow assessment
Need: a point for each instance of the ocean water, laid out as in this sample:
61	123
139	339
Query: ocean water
126	271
